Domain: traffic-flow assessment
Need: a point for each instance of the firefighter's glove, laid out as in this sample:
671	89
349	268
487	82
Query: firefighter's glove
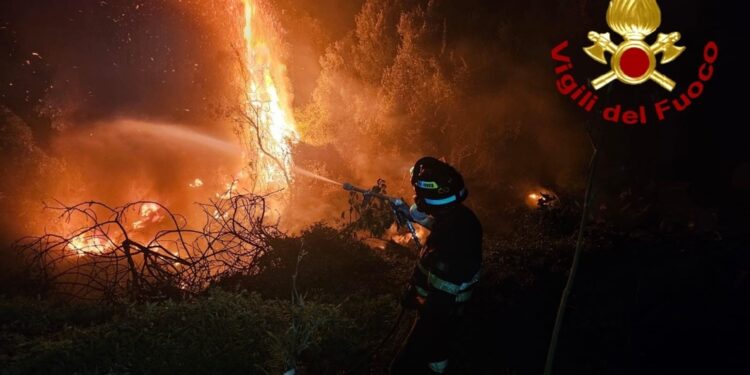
402	211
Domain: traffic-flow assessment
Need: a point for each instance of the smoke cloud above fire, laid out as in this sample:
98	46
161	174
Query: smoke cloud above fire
456	81
100	97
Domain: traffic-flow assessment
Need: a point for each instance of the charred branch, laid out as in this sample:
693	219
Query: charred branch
102	260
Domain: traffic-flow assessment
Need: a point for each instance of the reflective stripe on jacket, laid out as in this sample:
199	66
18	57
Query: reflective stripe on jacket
462	291
449	262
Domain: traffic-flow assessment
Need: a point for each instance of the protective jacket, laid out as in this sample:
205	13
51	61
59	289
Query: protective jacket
441	283
449	263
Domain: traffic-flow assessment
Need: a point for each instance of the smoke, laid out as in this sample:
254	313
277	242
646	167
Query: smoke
134	101
116	101
129	160
456	81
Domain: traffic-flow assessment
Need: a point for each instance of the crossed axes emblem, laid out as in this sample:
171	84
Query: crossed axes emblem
634	61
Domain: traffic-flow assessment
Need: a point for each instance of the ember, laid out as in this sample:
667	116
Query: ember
541	199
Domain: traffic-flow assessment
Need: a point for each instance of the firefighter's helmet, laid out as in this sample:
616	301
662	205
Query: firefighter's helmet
437	184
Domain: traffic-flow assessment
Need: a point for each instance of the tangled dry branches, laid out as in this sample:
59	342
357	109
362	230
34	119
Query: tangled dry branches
102	259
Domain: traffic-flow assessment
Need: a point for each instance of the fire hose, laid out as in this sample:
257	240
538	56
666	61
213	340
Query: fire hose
371	353
402	218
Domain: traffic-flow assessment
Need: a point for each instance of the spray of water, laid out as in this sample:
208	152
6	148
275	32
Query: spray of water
307	173
174	134
179	134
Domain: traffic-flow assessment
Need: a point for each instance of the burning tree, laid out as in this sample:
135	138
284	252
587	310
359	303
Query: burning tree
267	126
104	252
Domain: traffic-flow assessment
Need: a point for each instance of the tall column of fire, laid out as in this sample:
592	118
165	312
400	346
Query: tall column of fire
269	127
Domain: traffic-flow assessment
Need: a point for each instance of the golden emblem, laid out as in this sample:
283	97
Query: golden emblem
633	61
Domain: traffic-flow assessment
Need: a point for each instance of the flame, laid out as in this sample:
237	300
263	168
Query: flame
532	200
148	209
149	214
266	102
267	105
540	197
633	19
196	183
100	240
90	243
405	239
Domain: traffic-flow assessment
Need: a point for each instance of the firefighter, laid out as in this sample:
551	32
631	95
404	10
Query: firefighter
446	272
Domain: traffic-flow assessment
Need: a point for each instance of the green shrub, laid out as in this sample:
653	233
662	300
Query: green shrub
336	265
221	332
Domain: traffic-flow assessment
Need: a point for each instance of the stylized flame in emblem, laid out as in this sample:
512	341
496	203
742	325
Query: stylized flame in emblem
633	19
633	61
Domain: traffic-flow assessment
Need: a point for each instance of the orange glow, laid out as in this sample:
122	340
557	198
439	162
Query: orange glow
540	197
196	183
89	243
149	214
405	239
532	200
265	151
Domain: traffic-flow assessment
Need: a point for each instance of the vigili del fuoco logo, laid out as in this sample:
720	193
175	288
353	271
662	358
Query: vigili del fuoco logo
633	61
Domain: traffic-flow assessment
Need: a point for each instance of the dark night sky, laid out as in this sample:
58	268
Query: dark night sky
163	59
701	150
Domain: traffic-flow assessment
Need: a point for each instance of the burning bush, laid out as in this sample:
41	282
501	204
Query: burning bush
102	257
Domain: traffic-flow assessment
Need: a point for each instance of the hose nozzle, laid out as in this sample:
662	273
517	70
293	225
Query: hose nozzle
368	193
349	187
394	203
